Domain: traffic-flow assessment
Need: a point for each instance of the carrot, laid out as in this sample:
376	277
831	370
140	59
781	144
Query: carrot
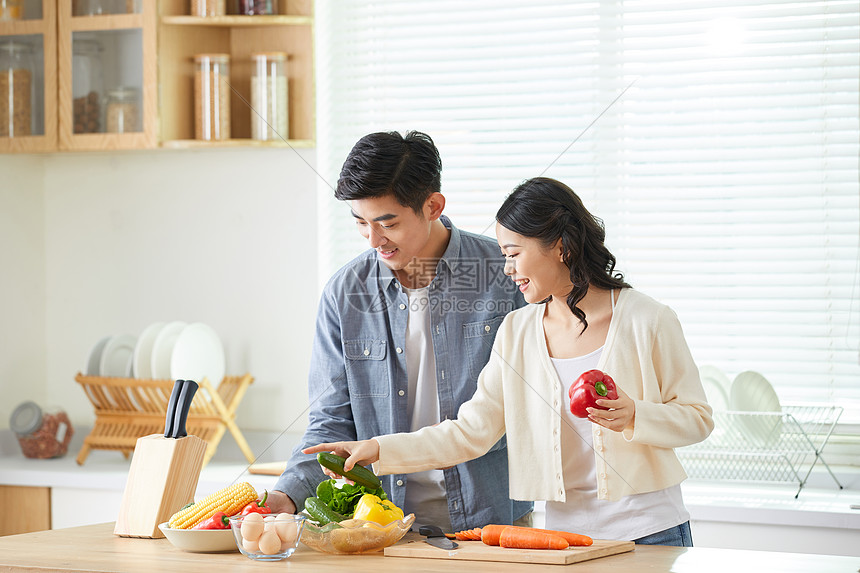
468	534
490	535
526	538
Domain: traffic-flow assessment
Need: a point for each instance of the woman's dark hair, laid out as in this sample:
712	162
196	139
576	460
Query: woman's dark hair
387	163
546	209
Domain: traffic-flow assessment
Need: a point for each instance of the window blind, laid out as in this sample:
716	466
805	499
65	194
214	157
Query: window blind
726	172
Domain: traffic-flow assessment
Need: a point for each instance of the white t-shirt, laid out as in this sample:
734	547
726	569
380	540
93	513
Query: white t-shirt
425	491
629	518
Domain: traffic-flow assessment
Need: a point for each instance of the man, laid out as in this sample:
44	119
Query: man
403	331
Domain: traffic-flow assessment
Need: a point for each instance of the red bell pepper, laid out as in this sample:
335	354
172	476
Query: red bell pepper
217	521
258	506
588	388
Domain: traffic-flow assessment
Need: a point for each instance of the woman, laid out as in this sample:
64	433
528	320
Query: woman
613	475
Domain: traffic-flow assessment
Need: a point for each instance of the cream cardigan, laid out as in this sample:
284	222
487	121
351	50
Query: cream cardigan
519	393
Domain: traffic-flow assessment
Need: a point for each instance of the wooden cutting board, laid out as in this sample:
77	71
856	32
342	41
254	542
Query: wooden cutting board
478	551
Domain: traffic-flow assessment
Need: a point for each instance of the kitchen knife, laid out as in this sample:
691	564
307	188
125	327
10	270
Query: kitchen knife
436	537
189	387
171	409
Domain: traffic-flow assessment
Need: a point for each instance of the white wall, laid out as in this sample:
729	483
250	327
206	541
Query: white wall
22	283
224	237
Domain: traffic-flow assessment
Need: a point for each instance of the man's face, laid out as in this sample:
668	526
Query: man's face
399	234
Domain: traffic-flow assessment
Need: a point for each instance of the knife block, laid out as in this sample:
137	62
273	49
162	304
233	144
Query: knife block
161	480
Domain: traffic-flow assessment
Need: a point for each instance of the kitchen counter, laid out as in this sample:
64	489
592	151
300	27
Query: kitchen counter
94	548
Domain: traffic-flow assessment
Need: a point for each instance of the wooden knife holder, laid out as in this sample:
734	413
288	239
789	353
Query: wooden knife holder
162	479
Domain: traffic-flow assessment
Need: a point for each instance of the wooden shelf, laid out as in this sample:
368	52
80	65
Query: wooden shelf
201	144
238	21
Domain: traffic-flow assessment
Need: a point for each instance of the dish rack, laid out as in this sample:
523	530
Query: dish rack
764	446
129	408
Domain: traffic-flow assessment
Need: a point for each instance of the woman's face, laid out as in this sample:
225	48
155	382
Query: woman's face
539	272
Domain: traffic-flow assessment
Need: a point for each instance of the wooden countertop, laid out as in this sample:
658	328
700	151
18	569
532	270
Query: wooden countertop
95	548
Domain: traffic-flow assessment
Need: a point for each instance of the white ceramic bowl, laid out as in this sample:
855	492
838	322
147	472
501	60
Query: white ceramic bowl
271	539
200	540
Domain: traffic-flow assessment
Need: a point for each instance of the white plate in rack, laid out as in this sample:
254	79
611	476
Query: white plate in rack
116	356
716	385
162	349
751	392
95	357
197	354
142	360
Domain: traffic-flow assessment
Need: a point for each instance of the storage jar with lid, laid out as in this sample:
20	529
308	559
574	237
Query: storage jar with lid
122	112
11	10
255	7
41	434
212	96
269	115
208	7
87	85
16	89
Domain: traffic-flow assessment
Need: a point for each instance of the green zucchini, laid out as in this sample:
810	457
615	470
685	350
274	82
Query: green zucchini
359	474
320	512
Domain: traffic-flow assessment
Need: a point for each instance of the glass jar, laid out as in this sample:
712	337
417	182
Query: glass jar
255	7
87	86
208	7
269	115
11	10
212	96
122	111
16	89
41	434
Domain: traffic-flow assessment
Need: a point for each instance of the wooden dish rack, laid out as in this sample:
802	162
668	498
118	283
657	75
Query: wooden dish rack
129	408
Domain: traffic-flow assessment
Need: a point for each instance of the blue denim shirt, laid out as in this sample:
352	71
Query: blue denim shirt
358	382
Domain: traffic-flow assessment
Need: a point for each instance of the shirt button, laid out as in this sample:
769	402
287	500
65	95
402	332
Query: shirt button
399	350
366	352
401	393
402	307
597	432
487	328
400	482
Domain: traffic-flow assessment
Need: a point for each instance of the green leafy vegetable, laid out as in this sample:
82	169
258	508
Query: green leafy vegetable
343	498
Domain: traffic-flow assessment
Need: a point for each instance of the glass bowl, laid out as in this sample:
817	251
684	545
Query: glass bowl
355	535
269	537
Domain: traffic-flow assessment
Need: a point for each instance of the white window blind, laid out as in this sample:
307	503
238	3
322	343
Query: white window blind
726	174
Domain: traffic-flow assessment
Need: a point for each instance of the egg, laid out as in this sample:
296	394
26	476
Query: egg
270	543
287	528
252	527
250	546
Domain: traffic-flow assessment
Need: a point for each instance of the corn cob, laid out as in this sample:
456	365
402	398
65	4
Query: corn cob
230	500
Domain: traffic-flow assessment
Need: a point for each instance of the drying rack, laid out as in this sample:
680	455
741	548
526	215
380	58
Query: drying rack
129	408
764	446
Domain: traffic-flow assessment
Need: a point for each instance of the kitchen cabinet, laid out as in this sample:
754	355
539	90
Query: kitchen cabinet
25	509
106	61
181	37
123	77
28	79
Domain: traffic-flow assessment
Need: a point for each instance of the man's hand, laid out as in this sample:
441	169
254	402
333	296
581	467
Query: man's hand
279	502
363	452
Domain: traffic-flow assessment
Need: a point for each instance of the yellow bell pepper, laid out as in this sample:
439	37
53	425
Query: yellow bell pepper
381	511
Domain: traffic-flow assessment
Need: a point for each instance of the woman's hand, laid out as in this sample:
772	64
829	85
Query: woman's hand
620	415
363	452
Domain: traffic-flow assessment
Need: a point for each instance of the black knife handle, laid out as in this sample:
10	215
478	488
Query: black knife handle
171	409
431	531
189	387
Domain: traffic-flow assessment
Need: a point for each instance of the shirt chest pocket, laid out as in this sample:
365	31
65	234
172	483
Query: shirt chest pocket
366	367
478	341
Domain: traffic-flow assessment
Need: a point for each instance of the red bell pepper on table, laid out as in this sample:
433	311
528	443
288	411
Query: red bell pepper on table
591	386
258	506
217	521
